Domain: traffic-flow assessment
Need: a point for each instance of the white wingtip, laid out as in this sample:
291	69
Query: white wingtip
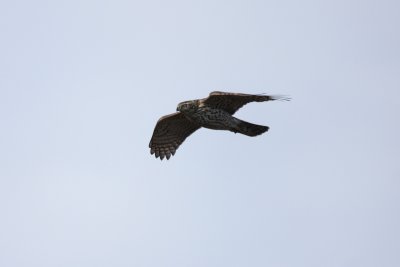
280	97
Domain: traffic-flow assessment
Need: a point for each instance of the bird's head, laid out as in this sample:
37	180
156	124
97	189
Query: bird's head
187	106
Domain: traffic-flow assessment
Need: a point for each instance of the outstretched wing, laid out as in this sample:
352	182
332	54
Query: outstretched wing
169	133
232	102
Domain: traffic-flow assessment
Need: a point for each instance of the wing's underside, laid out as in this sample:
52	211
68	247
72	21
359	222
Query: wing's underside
169	134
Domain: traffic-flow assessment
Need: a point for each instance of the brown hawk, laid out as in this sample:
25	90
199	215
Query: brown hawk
214	112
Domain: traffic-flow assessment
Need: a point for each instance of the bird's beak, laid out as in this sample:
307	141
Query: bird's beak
177	108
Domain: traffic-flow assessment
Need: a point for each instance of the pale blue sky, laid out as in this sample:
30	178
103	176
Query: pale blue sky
83	83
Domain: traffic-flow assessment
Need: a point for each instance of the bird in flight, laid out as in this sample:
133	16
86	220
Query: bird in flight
214	112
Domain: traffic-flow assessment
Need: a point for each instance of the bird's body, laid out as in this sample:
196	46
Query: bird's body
211	118
219	119
214	112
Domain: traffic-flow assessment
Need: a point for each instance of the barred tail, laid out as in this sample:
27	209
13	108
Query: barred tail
249	129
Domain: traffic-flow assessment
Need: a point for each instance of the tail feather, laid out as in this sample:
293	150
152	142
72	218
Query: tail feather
250	129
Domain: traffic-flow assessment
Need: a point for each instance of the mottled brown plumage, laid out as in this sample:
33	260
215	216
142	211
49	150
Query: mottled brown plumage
170	132
214	112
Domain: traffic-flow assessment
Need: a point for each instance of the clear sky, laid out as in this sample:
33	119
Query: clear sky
83	83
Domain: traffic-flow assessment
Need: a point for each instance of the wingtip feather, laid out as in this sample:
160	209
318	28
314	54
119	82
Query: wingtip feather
280	97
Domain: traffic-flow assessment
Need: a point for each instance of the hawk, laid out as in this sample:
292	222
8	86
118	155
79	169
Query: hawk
214	112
